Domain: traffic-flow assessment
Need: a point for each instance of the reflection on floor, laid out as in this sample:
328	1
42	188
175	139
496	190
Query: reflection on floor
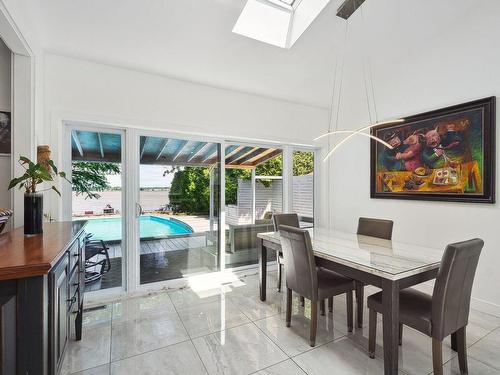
220	327
172	258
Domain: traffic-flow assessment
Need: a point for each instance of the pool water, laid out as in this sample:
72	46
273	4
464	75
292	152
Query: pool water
110	229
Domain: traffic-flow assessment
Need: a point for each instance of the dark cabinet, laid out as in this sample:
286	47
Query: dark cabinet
41	297
58	314
7	335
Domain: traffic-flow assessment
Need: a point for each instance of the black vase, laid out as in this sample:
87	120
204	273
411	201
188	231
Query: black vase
33	213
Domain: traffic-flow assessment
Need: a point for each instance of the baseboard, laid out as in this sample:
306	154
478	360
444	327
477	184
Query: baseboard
485	306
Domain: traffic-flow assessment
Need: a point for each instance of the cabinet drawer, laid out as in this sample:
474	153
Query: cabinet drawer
74	254
74	285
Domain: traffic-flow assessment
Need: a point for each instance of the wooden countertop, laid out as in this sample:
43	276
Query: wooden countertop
25	256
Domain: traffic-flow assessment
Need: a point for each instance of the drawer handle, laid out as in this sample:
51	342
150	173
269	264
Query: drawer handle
72	300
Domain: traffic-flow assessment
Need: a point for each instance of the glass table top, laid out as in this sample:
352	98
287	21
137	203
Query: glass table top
385	258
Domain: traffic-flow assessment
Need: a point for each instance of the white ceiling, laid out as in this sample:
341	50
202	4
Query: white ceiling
192	40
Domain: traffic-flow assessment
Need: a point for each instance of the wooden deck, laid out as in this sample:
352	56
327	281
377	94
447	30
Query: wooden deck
166	244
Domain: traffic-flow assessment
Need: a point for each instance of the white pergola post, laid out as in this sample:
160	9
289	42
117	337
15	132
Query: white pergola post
212	200
222	206
254	186
287	178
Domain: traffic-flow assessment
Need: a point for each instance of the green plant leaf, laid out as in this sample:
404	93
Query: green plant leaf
56	190
52	165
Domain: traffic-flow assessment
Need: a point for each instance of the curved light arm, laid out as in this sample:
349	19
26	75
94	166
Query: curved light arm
389	122
353	133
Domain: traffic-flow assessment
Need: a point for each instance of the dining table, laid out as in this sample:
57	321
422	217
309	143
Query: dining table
388	265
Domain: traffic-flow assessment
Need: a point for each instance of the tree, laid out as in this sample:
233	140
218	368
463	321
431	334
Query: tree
90	177
189	192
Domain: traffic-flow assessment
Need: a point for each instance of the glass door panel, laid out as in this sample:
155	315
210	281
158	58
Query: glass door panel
96	163
254	192
179	203
303	187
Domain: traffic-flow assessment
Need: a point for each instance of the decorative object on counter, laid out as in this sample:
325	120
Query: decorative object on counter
5	133
5	215
443	155
34	175
43	156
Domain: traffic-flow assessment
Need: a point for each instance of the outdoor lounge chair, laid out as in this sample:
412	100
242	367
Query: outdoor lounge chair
94	266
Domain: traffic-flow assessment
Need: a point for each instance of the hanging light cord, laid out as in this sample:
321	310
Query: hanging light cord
367	76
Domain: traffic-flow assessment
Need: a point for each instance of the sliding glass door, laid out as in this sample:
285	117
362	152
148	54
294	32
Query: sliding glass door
178	216
96	172
154	202
253	193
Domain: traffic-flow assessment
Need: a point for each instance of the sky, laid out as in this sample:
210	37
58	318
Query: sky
151	176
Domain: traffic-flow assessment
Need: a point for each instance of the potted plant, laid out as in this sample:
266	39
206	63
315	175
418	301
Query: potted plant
34	175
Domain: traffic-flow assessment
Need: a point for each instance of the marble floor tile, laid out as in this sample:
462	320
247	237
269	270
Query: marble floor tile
250	284
295	339
98	315
487	350
254	308
341	356
141	307
92	351
101	370
288	367
480	324
415	355
240	350
211	317
132	337
187	297
475	368
173	360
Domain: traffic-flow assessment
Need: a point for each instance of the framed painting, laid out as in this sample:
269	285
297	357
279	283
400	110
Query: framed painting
5	133
442	155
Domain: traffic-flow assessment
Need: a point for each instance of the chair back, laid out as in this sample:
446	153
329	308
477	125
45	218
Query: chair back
453	286
300	266
375	227
291	220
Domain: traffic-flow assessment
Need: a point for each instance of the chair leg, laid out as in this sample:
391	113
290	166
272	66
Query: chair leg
462	351
314	323
360	289
437	356
349	303
288	307
280	271
302	301
330	304
372	332
322	306
400	334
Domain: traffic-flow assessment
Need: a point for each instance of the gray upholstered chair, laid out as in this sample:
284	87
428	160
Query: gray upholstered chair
378	228
444	313
283	219
308	280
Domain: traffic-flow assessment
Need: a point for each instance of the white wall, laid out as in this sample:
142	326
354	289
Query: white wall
78	90
5	105
457	65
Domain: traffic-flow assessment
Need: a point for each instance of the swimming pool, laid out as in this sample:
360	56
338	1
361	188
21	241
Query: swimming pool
110	229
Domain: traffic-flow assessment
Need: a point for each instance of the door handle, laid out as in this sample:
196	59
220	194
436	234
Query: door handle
138	211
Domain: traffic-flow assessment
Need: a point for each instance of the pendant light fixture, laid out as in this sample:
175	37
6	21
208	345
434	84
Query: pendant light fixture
368	93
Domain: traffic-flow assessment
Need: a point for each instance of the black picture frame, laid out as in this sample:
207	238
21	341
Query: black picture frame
5	133
487	106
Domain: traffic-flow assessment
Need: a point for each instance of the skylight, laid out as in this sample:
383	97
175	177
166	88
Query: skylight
277	22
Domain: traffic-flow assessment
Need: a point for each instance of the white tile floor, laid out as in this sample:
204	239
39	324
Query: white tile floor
227	330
